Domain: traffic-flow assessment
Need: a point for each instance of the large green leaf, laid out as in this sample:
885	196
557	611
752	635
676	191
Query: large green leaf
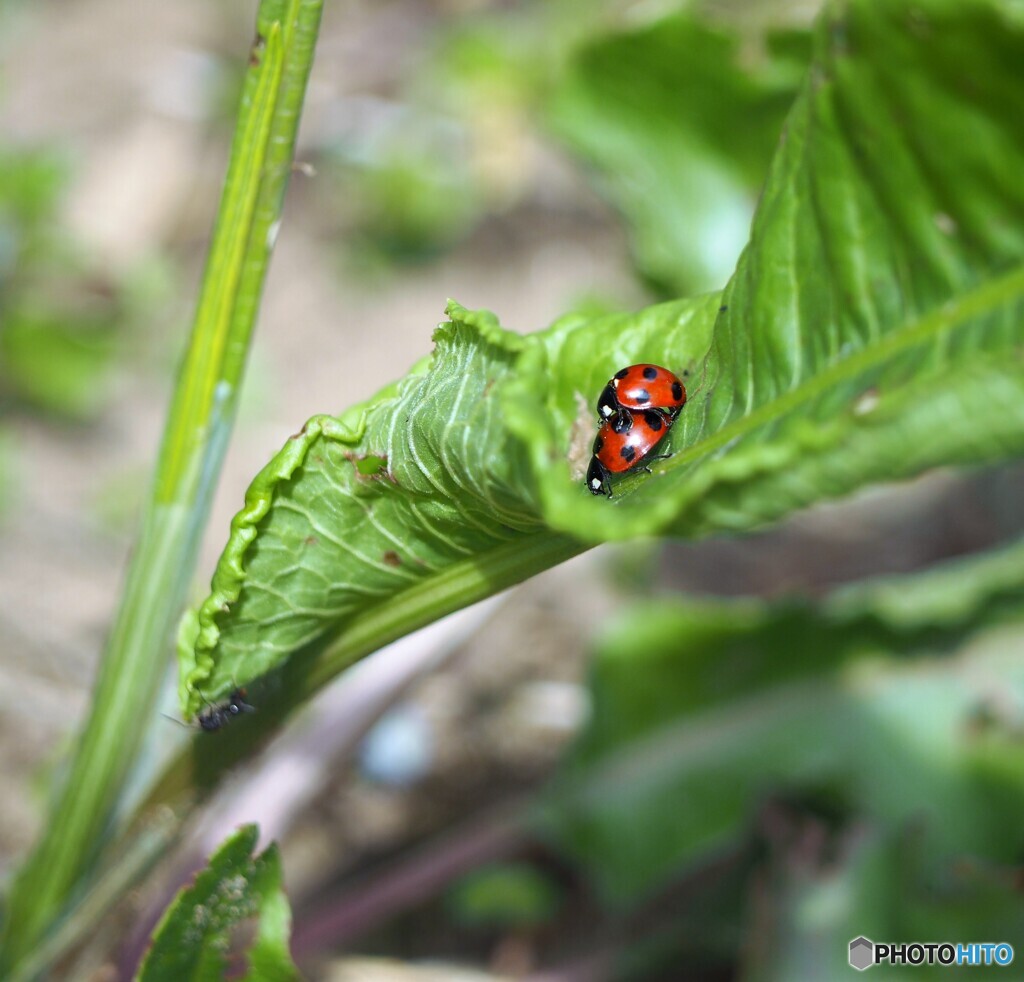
873	327
872	330
701	709
358	509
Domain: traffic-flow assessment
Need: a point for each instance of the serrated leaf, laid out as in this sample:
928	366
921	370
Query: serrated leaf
699	709
349	514
874	324
873	330
194	937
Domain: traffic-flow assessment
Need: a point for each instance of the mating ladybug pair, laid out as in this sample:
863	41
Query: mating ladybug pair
637	409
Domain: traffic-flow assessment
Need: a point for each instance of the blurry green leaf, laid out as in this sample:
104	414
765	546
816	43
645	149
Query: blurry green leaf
871	332
194	937
58	319
882	888
509	895
57	365
699	710
30	183
665	658
680	125
407	183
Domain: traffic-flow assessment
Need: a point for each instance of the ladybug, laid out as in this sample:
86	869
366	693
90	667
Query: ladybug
215	716
624	443
642	387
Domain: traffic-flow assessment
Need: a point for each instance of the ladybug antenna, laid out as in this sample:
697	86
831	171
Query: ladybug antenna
174	719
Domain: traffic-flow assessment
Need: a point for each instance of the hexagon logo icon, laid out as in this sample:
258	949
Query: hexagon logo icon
862	953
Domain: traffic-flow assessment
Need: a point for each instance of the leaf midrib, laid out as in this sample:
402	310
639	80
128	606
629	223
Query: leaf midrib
988	296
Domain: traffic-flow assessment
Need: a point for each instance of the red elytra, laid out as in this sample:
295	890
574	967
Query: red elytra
625	442
642	387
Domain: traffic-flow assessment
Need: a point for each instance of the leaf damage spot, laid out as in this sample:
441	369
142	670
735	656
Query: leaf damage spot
311	540
391	558
256	51
370	466
866	402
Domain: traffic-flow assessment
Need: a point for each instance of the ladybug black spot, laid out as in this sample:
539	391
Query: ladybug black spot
654	420
627	453
650	373
622	373
642	396
677	391
598	444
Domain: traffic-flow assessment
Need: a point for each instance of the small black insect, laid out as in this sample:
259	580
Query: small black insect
217	715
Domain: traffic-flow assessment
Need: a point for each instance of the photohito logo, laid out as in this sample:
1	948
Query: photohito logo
864	953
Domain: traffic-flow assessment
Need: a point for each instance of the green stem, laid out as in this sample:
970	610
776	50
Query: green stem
202	411
194	772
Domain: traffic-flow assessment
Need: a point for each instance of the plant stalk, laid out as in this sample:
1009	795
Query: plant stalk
202	411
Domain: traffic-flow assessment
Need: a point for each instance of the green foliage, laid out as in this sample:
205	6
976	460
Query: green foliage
194	937
680	124
509	895
54	365
407	184
867	704
699	706
59	319
872	330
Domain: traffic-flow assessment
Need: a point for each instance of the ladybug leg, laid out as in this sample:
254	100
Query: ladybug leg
642	466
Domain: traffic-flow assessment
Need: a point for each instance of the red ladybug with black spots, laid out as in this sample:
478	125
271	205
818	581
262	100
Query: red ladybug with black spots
624	443
642	387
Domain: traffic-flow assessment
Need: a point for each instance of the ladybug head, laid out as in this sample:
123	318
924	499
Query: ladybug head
607	404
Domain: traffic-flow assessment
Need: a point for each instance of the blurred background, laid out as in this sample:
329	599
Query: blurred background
528	158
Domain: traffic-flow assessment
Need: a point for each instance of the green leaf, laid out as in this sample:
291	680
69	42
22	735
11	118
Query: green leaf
355	510
194	937
701	709
505	896
873	327
872	330
681	123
